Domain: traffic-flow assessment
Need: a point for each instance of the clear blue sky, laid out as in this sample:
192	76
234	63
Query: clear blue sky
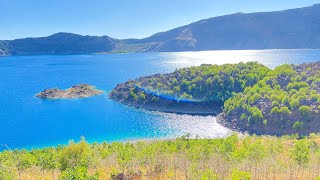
120	18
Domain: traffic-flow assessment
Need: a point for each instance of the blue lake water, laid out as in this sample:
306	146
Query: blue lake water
26	121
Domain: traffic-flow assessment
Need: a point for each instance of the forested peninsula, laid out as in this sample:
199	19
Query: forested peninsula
247	97
194	90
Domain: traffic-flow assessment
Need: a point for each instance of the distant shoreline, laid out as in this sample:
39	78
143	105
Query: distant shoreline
110	53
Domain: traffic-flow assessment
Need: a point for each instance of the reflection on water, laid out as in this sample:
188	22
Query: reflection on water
270	58
201	126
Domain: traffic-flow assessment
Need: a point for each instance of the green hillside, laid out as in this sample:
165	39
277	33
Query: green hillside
286	101
206	87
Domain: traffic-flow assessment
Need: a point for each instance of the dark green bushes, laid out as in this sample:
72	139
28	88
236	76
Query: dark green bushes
286	98
206	82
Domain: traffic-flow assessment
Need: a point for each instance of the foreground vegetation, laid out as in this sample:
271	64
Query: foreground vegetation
234	157
286	101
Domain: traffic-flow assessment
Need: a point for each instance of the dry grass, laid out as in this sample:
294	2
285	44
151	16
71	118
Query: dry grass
252	158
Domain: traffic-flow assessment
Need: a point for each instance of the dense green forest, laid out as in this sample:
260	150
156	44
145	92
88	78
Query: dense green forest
286	101
235	157
205	82
210	85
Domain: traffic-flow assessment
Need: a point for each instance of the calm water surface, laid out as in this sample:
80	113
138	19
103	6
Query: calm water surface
26	121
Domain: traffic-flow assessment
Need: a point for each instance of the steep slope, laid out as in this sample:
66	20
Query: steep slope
4	48
286	101
289	29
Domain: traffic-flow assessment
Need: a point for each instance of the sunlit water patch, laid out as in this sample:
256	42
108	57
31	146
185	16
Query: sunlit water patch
270	58
195	126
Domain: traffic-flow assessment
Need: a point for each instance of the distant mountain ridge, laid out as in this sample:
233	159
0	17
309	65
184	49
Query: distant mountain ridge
60	43
289	29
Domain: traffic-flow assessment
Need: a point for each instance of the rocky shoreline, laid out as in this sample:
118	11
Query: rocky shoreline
234	123
77	91
154	102
199	90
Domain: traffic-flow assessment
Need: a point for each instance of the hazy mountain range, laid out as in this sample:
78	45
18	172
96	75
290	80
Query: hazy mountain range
288	29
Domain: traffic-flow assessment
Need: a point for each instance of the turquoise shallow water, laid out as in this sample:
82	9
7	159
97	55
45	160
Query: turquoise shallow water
26	121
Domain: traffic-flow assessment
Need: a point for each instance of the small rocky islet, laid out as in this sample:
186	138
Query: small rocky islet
247	97
77	91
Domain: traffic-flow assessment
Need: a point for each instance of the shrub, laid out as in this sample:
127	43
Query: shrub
133	95
275	110
265	122
142	96
315	97
294	103
297	125
240	175
176	89
301	153
275	103
297	85
286	100
284	110
253	99
75	154
77	173
185	96
174	81
305	110
256	113
275	97
243	116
